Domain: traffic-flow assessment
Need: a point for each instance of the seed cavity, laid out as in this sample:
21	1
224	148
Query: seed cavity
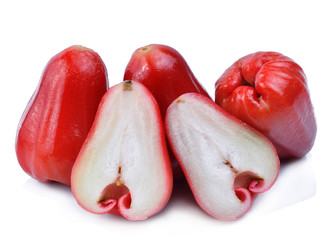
247	180
113	192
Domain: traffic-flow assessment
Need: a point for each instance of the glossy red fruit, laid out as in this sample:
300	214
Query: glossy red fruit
60	113
225	161
166	74
269	91
123	167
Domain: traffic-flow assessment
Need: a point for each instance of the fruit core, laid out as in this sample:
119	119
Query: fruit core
113	192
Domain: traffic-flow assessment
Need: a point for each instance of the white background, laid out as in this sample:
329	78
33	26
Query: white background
211	35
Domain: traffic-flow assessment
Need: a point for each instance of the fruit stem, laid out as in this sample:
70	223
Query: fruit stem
127	85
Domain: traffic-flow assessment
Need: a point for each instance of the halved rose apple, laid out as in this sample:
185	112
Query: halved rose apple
123	167
225	161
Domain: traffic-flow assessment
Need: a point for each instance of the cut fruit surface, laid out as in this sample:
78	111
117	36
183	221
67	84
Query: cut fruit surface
123	166
224	160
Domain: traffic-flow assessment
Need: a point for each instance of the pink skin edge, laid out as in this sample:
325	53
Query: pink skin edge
245	195
113	206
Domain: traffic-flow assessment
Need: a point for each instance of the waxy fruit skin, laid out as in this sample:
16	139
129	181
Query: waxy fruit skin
164	72
225	161
60	113
167	75
123	167
269	91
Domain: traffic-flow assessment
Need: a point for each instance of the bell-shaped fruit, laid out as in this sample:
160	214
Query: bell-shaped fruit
123	166
269	91
166	74
225	161
60	114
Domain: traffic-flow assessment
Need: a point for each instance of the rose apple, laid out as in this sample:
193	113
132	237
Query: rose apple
225	161
269	91
123	167
60	113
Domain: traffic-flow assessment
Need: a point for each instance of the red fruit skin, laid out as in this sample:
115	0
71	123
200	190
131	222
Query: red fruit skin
269	91
60	113
166	74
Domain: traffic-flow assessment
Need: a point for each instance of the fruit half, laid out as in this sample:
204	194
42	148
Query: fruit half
123	167
225	161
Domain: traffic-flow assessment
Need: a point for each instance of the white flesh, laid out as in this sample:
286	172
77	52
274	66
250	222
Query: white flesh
212	150
128	136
